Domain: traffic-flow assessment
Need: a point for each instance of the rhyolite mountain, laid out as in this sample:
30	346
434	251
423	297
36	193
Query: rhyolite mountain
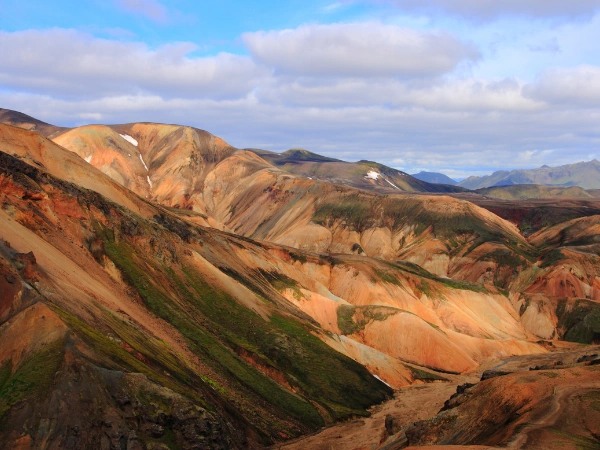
435	177
363	174
163	289
21	120
585	174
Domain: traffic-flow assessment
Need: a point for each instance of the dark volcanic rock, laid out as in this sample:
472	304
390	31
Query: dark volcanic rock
492	374
88	407
457	398
27	264
391	425
585	358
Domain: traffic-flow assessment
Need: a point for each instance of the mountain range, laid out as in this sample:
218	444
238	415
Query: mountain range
160	288
585	174
435	177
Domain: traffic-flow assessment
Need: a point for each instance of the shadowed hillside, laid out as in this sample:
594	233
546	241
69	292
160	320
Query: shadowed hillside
21	120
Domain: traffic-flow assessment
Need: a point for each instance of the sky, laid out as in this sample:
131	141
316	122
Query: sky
462	87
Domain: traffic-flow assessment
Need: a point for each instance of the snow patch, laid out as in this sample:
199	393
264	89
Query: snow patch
149	181
88	159
129	139
381	380
392	184
142	160
372	175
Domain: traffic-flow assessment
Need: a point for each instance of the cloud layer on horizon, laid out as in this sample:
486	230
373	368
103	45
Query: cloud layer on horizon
411	98
491	9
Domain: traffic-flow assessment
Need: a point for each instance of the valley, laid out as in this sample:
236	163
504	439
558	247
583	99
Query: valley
162	289
559	411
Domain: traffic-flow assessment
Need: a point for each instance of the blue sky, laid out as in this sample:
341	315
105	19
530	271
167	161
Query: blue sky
458	86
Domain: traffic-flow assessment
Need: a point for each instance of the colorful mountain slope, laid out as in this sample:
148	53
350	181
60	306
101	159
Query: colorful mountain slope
367	175
117	294
151	326
119	267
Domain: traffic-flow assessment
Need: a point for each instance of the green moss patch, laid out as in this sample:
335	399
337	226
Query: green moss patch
218	328
353	211
423	375
552	257
581	322
425	287
388	277
505	257
5	372
281	282
593	398
33	378
185	212
352	319
580	442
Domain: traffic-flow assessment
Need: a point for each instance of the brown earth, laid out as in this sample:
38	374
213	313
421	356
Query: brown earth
412	403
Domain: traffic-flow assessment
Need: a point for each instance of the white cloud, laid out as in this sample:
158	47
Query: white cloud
421	137
73	64
489	9
454	94
332	7
549	46
147	8
570	87
359	49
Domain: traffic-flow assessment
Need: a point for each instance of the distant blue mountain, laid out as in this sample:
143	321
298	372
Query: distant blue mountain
435	177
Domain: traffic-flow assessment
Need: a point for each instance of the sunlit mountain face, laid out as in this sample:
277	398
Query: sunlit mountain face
162	287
